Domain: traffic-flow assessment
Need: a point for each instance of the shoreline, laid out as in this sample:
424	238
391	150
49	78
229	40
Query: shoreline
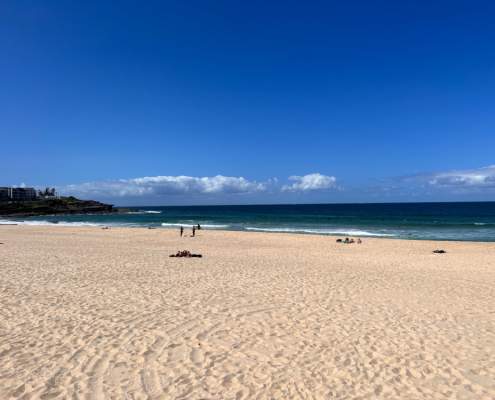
81	225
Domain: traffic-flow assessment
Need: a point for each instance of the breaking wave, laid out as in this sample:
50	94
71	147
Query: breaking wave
49	223
144	212
185	225
66	223
346	232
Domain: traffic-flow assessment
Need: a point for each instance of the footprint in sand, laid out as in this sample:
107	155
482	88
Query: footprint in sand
197	356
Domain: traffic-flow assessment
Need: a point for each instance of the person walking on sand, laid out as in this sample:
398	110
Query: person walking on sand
193	231
199	227
181	231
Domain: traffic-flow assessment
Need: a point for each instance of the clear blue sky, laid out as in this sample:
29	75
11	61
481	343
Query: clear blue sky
379	100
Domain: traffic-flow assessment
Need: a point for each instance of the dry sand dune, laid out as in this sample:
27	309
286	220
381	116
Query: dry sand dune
87	313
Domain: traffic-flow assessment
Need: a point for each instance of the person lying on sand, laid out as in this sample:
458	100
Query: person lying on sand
185	253
348	241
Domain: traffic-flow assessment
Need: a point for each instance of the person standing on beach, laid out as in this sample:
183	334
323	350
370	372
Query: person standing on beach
193	231
181	231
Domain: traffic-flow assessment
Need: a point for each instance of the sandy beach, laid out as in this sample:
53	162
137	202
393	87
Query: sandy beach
87	313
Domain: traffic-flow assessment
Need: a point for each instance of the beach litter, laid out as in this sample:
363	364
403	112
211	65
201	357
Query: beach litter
439	251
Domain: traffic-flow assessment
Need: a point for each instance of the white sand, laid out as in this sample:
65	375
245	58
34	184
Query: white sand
106	314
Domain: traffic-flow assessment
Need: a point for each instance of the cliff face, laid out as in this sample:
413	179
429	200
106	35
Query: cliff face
63	205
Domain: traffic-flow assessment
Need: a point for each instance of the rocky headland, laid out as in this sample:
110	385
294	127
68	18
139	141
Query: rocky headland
62	205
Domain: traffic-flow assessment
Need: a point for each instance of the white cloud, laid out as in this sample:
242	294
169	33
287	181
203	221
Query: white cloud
165	185
308	182
474	178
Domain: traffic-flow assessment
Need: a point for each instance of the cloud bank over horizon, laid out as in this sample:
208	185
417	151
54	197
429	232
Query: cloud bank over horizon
313	186
153	186
472	178
474	184
165	185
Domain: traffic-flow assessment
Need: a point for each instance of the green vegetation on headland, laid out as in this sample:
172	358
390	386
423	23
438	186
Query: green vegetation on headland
62	205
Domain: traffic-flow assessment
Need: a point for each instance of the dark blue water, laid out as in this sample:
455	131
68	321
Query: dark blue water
437	221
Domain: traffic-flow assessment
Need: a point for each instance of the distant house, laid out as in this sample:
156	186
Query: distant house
48	194
17	194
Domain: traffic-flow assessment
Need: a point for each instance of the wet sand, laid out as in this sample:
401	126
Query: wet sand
87	313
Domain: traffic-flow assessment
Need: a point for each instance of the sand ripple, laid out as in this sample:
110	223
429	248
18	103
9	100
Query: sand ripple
92	314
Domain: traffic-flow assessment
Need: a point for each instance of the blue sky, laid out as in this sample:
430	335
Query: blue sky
214	102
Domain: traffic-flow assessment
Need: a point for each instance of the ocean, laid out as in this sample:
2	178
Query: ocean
429	221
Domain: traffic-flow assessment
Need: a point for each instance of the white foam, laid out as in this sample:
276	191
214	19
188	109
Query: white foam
210	226
348	232
144	212
66	223
5	222
50	223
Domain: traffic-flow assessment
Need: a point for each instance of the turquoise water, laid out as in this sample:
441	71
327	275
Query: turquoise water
433	221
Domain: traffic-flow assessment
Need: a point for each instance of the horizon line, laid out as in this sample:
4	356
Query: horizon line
306	204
